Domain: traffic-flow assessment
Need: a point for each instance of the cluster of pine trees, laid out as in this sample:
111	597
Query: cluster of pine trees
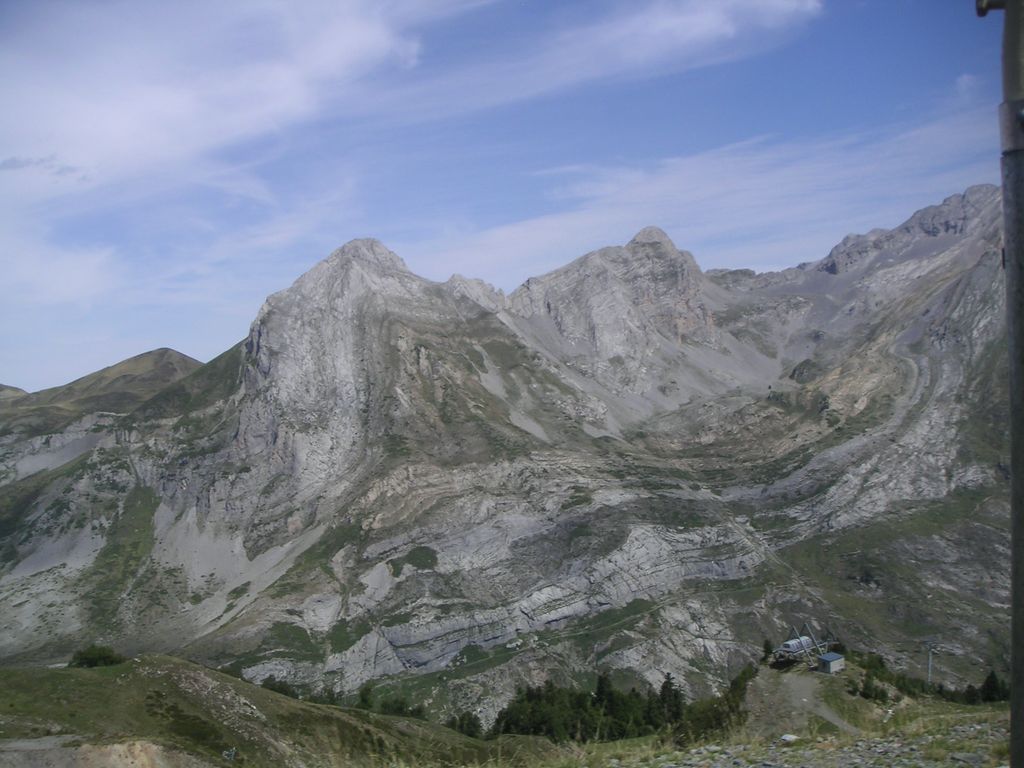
877	674
993	688
605	714
564	714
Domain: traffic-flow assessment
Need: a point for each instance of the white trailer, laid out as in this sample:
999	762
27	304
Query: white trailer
797	645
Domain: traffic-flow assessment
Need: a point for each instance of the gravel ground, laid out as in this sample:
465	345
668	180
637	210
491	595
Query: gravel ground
967	746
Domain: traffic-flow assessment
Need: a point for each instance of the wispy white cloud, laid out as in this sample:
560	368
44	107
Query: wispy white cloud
124	101
767	203
965	85
634	39
248	262
39	275
665	34
124	88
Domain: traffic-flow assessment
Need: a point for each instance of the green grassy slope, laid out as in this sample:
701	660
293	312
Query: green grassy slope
118	388
177	704
200	388
6	392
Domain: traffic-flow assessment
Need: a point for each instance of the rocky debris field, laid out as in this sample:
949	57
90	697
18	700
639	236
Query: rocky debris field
973	745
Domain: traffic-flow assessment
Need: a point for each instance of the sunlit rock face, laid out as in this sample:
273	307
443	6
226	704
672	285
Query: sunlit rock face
625	464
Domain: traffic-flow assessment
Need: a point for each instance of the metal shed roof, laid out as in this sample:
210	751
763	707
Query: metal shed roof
831	656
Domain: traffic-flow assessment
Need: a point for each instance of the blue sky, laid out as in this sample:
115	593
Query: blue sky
166	166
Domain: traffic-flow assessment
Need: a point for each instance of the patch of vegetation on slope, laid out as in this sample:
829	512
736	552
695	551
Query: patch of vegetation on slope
124	555
177	704
605	713
481	386
316	559
215	381
420	557
984	435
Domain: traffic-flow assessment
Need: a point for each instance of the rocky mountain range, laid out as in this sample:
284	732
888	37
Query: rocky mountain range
627	464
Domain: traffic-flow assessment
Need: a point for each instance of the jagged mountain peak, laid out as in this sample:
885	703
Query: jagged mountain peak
652	234
976	210
483	293
362	268
654	245
976	196
617	309
370	252
650	256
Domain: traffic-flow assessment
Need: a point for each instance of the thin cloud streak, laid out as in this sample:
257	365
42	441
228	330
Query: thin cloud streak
36	274
636	40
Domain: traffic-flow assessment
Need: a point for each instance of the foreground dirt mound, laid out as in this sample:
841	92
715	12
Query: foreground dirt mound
49	752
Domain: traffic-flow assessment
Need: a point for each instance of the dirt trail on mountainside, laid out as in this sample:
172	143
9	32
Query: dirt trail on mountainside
780	702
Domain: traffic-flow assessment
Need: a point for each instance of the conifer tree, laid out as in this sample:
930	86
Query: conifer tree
994	689
671	699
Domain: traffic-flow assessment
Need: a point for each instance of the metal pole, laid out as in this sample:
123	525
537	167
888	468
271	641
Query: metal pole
1011	120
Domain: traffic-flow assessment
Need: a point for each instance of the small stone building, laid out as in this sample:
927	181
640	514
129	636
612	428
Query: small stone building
831	663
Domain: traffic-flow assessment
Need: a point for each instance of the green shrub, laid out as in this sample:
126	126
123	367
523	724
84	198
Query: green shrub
708	717
280	686
872	691
399	705
992	689
96	656
466	723
365	700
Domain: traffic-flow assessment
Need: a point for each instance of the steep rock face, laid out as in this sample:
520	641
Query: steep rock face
614	298
625	463
639	321
314	365
957	216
